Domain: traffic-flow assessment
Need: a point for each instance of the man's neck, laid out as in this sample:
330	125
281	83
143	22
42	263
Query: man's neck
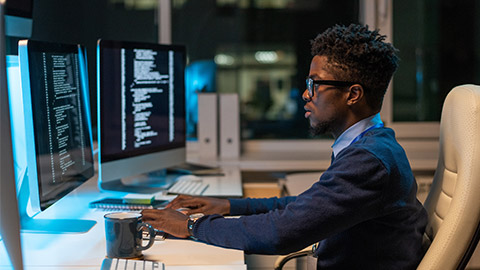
352	120
355	132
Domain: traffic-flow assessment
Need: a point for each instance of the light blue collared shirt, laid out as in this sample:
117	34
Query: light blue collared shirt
349	135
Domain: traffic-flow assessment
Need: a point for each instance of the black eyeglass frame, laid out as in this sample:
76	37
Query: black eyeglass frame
311	83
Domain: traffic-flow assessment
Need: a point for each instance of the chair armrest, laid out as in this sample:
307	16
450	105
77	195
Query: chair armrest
282	260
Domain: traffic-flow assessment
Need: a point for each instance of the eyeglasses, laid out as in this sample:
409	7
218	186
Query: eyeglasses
311	84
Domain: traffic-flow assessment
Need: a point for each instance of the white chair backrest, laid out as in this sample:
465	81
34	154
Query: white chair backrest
453	203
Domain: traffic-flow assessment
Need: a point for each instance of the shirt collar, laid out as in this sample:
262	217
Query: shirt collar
347	137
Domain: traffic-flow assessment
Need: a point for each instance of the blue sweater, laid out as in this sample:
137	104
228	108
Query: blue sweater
363	212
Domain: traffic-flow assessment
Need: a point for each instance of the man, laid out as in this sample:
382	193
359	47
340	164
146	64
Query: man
363	211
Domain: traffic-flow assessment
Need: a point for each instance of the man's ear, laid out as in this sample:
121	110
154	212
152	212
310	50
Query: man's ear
355	94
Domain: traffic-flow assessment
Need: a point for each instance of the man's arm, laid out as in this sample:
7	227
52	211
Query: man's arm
210	206
345	195
251	206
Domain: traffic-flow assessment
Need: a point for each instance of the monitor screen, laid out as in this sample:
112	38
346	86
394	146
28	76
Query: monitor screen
57	119
141	108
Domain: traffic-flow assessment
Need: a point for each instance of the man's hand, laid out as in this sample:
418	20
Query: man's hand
205	205
167	220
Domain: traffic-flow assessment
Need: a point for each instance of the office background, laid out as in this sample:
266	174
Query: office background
260	50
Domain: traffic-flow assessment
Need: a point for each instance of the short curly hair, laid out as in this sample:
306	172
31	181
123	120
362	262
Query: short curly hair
359	55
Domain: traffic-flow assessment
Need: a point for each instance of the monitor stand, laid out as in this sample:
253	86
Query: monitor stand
55	226
148	183
30	224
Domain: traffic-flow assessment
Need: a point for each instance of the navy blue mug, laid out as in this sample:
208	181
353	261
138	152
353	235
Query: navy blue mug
123	232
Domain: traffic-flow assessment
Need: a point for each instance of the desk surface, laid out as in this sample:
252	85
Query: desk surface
87	250
304	161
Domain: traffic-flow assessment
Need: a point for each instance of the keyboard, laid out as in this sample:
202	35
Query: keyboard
126	264
188	184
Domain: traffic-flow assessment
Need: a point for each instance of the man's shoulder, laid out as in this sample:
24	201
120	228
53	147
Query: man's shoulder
380	143
378	138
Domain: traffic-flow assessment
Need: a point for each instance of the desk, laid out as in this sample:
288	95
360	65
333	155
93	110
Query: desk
229	185
306	155
87	250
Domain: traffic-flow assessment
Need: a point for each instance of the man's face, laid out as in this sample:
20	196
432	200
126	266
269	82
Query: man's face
326	110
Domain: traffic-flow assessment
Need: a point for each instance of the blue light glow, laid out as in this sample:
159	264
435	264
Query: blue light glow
200	76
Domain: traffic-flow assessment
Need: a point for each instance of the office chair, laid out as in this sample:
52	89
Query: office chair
453	203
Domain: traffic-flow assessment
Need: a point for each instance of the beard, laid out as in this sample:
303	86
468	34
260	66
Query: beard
321	128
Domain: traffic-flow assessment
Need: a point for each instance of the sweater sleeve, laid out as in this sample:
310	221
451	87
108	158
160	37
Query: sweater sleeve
251	206
349	192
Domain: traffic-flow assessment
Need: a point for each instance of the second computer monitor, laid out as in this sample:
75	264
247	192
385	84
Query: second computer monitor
141	110
51	130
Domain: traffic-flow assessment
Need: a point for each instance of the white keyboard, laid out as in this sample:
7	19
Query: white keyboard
188	184
126	264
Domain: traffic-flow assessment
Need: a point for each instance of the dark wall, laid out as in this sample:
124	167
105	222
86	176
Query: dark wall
84	22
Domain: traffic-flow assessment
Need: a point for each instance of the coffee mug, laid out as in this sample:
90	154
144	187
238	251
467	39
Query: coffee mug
123	232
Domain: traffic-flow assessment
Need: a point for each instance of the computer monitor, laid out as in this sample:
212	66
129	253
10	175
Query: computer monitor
56	155
141	114
9	217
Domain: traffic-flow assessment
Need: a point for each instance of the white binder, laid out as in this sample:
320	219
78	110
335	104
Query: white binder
207	125
229	117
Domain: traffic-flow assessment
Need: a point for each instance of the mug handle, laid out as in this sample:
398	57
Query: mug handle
151	233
